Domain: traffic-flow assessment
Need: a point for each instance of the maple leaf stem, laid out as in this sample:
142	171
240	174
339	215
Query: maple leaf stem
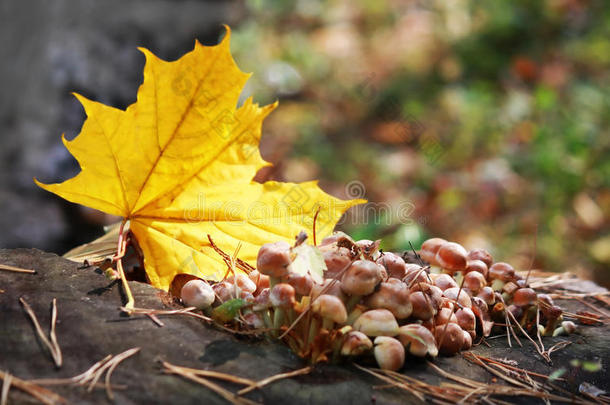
121	247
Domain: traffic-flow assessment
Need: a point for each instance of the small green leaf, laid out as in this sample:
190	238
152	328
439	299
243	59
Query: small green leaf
557	374
227	311
591	366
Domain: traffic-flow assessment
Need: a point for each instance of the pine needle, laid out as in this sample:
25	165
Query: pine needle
52	345
14	269
6	386
269	380
42	394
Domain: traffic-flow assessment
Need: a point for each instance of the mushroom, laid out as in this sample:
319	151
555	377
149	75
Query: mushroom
478	266
418	340
356	343
443	281
226	291
334	289
482	255
377	322
449	338
553	315
254	320
415	274
467	340
389	353
282	297
445	315
261	280
302	283
566	328
394	265
393	297
330	309
429	248
474	281
524	297
481	311
244	282
487	294
197	293
422	306
464	298
336	259
369	248
451	257
501	271
273	260
360	279
466	319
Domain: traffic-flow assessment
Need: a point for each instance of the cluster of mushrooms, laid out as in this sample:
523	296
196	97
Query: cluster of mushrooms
345	298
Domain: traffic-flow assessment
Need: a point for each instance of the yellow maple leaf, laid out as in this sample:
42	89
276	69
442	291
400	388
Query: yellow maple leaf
179	163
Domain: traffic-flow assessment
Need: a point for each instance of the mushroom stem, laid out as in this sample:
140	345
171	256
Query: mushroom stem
273	281
278	319
314	326
550	326
327	324
352	302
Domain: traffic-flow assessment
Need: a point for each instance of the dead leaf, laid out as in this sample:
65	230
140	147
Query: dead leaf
179	163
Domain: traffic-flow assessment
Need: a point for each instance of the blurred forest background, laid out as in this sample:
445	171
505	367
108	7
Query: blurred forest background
487	123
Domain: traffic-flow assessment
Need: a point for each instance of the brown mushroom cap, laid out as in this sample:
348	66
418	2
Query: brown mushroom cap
302	283
422	306
197	293
273	259
464	298
418	340
282	295
481	254
443	281
362	277
524	297
226	291
261	301
474	281
466	319
330	307
356	343
488	295
394	265
377	322
334	289
501	271
337	259
243	282
444	316
452	257
261	280
449	338
415	274
478	266
467	340
389	353
393	297
429	248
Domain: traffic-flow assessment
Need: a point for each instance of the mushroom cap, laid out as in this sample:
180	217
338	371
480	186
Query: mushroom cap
466	319
394	264
478	266
282	295
452	256
474	281
444	316
422	306
273	259
243	282
418	340
443	281
261	301
362	277
330	307
355	344
449	338
377	322
568	326
336	259
429	248
254	320
226	291
488	295
467	340
302	283
481	254
334	289
389	353
481	311
393	297
524	297
197	293
464	298
415	274
261	280
501	271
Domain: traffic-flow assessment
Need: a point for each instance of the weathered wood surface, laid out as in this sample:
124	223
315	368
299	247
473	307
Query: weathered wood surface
90	327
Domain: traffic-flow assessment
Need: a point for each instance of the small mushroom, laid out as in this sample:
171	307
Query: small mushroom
302	283
466	319
393	297
501	271
566	328
360	279
394	265
467	340
197	293
443	281
377	322
429	248
449	338
282	297
524	297
415	274
451	257
336	259
482	255
464	298
226	291
261	280
244	282
474	281
418	340
478	266
488	295
481	311
273	260
334	289
356	343
423	308
331	309
445	315
389	353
